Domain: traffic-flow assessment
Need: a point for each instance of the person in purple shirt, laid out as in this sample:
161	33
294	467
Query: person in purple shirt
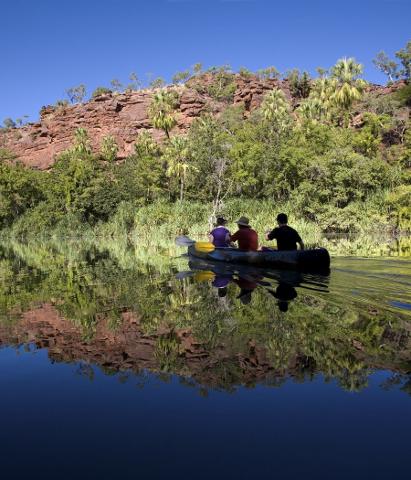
220	235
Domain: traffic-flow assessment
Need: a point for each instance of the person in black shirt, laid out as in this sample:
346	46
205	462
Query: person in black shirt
287	238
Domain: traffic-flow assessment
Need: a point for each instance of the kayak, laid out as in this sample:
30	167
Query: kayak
316	259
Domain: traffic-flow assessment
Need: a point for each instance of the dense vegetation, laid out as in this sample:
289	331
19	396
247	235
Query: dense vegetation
335	156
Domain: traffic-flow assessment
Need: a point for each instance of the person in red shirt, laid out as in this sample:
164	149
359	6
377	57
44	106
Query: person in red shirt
246	237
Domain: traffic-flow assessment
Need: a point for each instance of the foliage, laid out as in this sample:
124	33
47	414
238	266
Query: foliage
109	148
386	66
161	110
117	86
135	82
268	73
348	87
220	85
101	91
181	77
276	110
158	82
300	84
404	55
403	95
176	155
20	190
245	72
294	156
197	68
61	103
9	123
76	94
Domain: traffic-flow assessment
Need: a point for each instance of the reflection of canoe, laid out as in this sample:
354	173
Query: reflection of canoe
312	280
317	259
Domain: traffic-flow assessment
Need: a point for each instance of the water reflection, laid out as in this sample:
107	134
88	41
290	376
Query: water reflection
127	309
279	283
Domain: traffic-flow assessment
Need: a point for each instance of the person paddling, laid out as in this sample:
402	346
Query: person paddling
287	238
246	237
220	235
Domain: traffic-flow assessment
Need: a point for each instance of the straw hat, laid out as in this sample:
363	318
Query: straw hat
244	221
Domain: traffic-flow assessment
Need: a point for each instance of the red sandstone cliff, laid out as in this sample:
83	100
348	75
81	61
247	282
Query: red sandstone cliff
123	116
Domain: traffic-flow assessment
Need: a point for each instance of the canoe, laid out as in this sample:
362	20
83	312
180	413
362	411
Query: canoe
316	259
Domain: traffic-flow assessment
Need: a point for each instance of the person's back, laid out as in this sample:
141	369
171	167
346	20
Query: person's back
246	237
287	238
220	235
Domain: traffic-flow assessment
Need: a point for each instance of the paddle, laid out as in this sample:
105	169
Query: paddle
184	241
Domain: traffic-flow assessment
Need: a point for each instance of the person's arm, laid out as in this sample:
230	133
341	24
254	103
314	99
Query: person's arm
269	235
234	238
300	242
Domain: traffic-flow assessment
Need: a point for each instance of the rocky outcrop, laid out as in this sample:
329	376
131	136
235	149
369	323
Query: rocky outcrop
124	115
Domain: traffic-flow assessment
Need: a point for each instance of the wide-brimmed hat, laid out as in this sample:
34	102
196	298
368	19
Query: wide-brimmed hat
244	221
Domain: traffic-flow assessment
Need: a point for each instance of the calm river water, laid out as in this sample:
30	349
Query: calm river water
121	361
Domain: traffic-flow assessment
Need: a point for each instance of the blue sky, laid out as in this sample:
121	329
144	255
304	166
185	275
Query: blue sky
50	45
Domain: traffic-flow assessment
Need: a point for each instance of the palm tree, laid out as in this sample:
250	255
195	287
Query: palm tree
176	154
276	109
161	110
311	109
348	86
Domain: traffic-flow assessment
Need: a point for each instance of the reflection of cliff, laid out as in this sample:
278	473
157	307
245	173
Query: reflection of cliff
174	351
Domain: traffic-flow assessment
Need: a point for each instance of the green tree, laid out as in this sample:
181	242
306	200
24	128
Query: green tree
222	85
311	109
76	94
197	68
268	73
109	149
386	66
61	103
348	86
146	145
9	123
300	83
101	91
210	141
135	82
245	72
176	155
161	110
404	55
116	85
72	173
276	110
20	190
181	77
158	82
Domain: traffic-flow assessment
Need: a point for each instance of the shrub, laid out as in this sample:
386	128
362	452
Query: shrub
101	91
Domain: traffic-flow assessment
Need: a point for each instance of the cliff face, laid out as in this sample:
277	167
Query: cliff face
124	115
120	115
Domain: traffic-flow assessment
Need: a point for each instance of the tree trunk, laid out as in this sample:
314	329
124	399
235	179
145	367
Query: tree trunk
181	189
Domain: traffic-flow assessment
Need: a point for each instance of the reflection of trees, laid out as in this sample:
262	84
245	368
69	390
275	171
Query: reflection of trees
88	285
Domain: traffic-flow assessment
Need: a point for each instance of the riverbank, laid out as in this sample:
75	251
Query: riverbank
165	220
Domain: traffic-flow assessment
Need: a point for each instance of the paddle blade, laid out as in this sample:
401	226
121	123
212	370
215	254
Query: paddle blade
204	247
184	241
